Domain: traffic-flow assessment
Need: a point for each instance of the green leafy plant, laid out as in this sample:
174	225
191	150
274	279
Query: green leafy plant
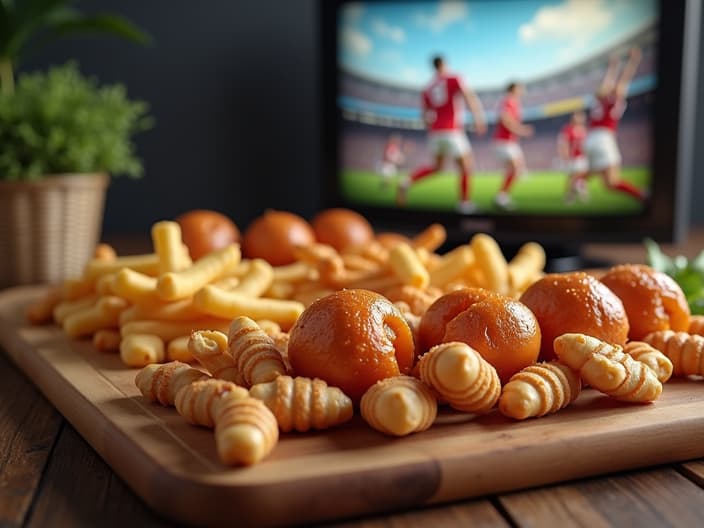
38	22
688	273
63	122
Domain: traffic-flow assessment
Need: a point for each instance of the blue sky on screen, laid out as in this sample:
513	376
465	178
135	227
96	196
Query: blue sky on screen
489	42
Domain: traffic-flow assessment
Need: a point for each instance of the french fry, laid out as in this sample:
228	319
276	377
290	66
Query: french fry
107	340
526	266
179	284
147	264
177	350
66	308
140	350
166	237
491	261
42	310
134	286
169	330
431	238
105	313
225	304
453	265
257	279
406	265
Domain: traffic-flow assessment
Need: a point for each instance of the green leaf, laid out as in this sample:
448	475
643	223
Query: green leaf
698	263
656	258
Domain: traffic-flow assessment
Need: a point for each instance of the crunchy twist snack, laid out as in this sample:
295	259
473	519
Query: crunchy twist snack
696	325
256	357
686	351
209	347
538	390
302	404
431	238
453	265
199	402
607	368
162	383
491	262
651	356
406	265
140	350
399	406
461	377
245	431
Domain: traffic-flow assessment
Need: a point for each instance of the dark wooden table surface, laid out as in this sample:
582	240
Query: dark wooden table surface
49	476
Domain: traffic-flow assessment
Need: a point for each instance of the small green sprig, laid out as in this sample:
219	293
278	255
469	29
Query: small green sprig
688	273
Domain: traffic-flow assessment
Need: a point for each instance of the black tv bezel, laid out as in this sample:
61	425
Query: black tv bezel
666	214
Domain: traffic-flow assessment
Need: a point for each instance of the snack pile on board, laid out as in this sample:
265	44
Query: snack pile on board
384	324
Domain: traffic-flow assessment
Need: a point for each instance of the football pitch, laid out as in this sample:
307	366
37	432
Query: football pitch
541	192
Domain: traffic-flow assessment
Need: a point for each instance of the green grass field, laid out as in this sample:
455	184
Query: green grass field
536	192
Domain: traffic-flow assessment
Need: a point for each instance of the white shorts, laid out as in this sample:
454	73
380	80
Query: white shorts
386	168
508	151
453	142
601	149
577	165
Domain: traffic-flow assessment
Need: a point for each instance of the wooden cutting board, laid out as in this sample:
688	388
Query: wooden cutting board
347	471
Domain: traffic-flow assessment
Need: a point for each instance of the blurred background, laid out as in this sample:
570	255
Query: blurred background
234	90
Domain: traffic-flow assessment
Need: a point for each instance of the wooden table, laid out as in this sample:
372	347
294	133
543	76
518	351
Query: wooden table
49	476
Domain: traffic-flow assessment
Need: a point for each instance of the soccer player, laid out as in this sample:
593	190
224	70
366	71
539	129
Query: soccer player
446	135
570	142
391	159
508	150
610	103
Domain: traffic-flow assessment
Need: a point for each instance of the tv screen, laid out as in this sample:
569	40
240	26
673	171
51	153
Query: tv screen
525	118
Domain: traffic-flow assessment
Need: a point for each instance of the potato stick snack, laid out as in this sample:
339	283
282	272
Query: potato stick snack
406	265
359	263
104	284
42	310
294	273
377	284
229	305
181	310
104	252
257	280
107	340
66	308
166	237
431	238
491	261
526	265
280	290
452	265
140	350
312	253
177	350
72	289
169	330
226	283
210	348
134	286
105	313
147	264
180	284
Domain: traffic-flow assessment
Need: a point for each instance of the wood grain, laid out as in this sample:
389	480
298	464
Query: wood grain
694	470
659	498
29	426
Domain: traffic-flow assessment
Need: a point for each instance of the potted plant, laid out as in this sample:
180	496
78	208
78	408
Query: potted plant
61	135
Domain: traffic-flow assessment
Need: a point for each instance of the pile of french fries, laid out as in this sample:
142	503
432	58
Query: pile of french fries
147	306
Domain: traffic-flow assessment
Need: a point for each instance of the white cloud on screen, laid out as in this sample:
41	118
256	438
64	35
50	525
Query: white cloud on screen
448	12
395	34
411	75
355	41
575	21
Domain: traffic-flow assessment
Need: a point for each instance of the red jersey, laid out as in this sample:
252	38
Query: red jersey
392	152
574	137
606	112
440	97
512	106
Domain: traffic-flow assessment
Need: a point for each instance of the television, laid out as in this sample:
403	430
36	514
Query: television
456	112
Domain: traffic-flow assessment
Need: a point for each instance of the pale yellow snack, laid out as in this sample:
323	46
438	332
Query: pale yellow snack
177	350
227	304
166	237
334	274
452	265
107	340
168	330
147	264
295	273
105	251
431	238
399	406
105	313
685	351
607	368
375	282
209	347
256	357
355	262
104	285
280	290
72	289
302	404
417	299
696	325
226	283
181	310
538	390
134	286
461	377
245	431
490	260
162	383
307	296
651	356
198	402
65	308
180	284
406	265
140	350
257	279
526	266
311	254
42	310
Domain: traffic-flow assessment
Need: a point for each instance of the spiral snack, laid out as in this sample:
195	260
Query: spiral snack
696	325
200	402
607	368
461	377
686	351
538	390
245	431
399	406
302	403
256	357
163	382
656	360
209	347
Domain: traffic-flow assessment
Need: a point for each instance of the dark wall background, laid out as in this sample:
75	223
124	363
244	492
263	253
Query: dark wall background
232	85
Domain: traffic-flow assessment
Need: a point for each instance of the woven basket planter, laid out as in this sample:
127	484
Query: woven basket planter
49	228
